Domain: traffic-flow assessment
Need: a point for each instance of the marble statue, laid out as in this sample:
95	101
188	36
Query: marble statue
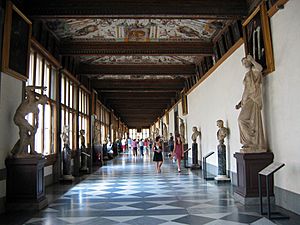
249	120
97	130
83	151
156	132
165	132
222	132
195	134
182	129
82	138
66	152
65	135
27	131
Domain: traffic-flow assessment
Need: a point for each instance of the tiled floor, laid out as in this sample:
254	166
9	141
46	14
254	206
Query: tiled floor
128	191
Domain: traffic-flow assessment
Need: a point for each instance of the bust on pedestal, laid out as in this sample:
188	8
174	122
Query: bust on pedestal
25	183
221	134
195	134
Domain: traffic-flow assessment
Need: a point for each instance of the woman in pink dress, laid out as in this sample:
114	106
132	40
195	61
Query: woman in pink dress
178	151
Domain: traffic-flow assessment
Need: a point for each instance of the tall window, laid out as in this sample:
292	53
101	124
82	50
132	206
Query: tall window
44	74
68	107
84	113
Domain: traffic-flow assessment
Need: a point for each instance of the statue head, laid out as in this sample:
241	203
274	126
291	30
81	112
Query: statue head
82	132
195	129
220	123
246	62
66	129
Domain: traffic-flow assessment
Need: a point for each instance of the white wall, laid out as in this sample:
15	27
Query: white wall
214	99
282	94
10	99
171	122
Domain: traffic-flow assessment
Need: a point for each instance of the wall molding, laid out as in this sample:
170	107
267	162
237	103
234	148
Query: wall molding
3	174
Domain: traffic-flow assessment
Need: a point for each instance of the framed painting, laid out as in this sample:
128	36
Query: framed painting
257	38
184	103
16	43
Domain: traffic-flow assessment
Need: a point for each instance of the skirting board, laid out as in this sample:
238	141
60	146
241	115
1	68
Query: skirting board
287	199
2	205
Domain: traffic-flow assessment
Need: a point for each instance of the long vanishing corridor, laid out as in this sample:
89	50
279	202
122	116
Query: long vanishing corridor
129	191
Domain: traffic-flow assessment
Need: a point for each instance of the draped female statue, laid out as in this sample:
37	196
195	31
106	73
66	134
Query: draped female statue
249	120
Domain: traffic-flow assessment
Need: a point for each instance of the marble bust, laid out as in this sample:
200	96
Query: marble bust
222	132
195	134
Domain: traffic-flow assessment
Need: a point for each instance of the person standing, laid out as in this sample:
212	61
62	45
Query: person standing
141	144
171	144
178	151
134	147
157	157
123	145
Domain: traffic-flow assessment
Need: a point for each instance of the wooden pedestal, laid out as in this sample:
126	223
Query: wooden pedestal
248	166
25	184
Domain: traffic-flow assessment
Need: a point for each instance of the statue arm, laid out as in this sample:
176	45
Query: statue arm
255	64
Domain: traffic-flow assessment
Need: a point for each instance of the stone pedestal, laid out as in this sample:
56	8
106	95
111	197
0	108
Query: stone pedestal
195	164
25	184
222	175
67	169
248	166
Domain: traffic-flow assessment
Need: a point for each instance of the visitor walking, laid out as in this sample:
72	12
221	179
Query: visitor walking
178	151
158	157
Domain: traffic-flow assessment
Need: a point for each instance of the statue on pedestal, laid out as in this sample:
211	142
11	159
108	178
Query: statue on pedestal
66	152
182	130
250	121
27	131
221	134
195	134
165	132
83	151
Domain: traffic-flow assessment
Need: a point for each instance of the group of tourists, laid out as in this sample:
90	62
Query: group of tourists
176	151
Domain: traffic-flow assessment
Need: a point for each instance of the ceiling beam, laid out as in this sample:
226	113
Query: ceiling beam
215	9
135	92
136	48
137	70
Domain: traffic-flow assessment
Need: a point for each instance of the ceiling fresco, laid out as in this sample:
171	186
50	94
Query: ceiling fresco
142	30
138	59
137	77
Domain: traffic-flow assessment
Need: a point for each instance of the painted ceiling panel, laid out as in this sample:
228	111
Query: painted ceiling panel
142	30
138	59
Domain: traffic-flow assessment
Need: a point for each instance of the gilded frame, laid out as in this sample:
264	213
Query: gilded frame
184	103
16	43
257	38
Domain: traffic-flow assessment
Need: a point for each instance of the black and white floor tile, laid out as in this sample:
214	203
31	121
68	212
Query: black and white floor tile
128	191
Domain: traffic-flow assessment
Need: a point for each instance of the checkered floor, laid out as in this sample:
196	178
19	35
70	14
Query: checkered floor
128	191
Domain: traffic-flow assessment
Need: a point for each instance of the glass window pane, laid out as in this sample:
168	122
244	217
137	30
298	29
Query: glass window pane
71	95
47	129
31	70
39	73
38	136
67	92
53	83
47	79
62	90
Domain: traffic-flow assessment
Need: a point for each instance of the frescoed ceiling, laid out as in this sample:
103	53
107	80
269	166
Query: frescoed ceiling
135	29
138	55
137	59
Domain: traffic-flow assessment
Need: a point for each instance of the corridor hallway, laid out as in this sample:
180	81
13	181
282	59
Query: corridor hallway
129	191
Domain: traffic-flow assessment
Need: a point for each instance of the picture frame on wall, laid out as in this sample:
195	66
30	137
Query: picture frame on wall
257	38
16	43
184	103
